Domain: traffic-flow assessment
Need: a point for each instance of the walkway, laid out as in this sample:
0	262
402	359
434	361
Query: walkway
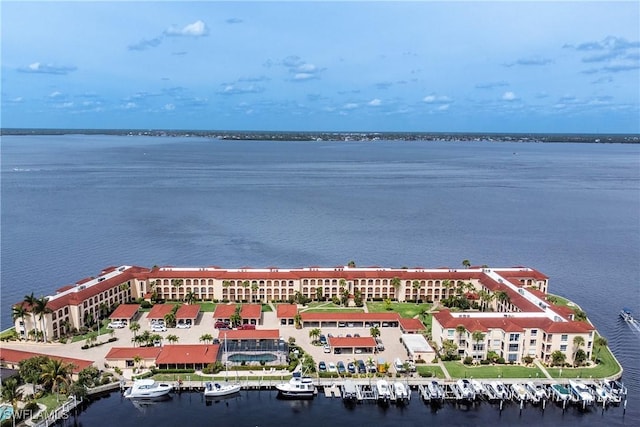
542	368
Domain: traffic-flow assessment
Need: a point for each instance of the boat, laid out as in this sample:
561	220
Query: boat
520	392
616	390
601	394
560	392
536	391
298	387
625	313
349	391
466	390
212	389
477	387
384	393
401	391
147	389
580	392
436	393
500	390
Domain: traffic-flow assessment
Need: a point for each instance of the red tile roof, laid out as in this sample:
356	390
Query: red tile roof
188	353
510	324
158	311
8	355
119	353
307	317
251	334
412	324
286	311
125	311
188	311
342	342
248	311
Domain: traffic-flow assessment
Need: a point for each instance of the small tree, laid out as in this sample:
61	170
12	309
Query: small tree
374	331
558	358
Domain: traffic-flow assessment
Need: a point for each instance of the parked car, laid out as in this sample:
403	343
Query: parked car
337	351
332	367
183	325
116	325
158	328
351	367
323	339
322	367
327	349
221	325
341	368
341	324
362	368
246	327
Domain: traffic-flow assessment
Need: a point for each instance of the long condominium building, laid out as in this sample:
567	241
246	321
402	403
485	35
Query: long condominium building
516	318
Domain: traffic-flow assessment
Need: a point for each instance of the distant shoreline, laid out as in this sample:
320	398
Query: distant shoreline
343	136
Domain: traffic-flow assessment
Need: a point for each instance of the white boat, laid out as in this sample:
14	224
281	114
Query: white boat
384	393
349	391
537	391
519	392
466	390
477	387
212	389
580	392
436	392
499	389
401	391
625	313
147	389
298	387
560	392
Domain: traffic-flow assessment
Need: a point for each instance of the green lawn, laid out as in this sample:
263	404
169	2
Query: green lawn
435	370
606	368
333	309
459	370
266	308
405	309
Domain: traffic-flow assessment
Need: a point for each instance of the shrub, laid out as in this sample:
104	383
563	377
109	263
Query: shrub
145	304
485	362
426	374
500	361
468	360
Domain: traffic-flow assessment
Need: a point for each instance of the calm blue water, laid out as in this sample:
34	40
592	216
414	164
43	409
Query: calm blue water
72	205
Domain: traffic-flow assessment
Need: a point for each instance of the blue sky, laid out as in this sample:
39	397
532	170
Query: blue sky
475	66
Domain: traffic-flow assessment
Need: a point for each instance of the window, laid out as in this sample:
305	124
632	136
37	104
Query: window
532	342
564	337
534	332
513	347
563	347
514	337
513	357
450	333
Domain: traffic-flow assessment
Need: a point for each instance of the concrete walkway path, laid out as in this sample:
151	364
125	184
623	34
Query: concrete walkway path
542	368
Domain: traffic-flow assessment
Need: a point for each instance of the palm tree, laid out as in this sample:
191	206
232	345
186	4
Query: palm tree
416	285
502	297
351	264
314	334
190	297
134	327
374	331
477	337
396	283
31	302
176	283
254	289
460	329
447	285
170	320
41	309
578	342
11	393
18	311
297	320
466	263
206	338
600	342
54	373
172	339
136	360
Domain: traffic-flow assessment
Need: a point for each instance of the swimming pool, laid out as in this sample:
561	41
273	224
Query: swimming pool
260	357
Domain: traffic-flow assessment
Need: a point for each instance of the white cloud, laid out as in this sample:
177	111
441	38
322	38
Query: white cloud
429	99
169	107
433	99
304	76
38	67
350	106
509	96
55	94
443	107
197	29
130	106
375	102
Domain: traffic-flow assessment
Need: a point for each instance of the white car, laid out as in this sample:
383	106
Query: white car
332	367
158	328
183	325
115	325
327	349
